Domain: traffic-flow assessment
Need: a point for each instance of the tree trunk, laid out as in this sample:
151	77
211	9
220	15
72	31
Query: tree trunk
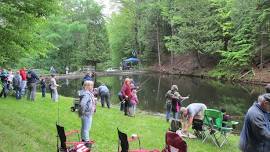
158	45
197	53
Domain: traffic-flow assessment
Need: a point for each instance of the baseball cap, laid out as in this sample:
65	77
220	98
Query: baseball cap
267	97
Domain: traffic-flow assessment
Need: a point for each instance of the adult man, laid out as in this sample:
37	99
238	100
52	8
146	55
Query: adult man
255	135
32	79
190	113
104	94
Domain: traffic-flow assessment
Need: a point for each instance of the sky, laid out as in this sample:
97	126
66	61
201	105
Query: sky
109	7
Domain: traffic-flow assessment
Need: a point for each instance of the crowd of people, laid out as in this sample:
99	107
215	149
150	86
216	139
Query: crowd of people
255	135
24	83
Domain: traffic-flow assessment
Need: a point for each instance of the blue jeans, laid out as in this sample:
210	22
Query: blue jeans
105	97
86	126
43	91
23	86
168	110
18	92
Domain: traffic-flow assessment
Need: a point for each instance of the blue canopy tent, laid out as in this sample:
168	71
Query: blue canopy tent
132	60
127	63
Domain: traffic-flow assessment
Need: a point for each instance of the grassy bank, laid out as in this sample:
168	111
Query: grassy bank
30	126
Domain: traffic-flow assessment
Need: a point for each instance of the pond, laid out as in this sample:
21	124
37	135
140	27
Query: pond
235	98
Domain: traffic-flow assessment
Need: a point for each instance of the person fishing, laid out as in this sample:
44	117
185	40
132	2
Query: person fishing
173	102
126	93
87	110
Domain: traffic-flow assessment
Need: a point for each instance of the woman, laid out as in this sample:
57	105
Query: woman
173	102
53	86
126	93
87	109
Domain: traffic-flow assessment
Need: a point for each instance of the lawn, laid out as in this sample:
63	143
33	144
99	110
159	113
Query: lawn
30	126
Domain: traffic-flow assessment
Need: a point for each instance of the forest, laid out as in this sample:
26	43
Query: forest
235	33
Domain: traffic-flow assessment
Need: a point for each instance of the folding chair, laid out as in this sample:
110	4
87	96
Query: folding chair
213	122
70	146
198	128
174	143
123	143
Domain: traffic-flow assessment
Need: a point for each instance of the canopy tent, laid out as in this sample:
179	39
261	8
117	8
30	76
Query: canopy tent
127	64
132	60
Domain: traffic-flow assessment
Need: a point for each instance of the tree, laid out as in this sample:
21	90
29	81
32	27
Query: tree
78	34
19	32
196	28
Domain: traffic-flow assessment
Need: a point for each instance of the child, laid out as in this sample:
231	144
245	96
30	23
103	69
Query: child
43	87
226	117
133	101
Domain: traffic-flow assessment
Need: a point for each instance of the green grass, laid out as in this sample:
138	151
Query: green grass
30	126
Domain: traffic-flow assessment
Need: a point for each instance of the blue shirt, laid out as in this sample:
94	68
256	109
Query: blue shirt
103	89
255	135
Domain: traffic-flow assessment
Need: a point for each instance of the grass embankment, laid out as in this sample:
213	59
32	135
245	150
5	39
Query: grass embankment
30	126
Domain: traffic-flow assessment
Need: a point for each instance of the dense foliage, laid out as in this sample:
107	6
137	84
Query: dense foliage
73	33
55	33
19	28
233	31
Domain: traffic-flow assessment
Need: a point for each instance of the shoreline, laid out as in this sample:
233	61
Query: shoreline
130	72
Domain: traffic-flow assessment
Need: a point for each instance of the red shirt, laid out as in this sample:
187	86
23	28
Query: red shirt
23	74
126	90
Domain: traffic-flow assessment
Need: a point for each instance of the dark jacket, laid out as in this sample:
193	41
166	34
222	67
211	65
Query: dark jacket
43	84
255	135
32	77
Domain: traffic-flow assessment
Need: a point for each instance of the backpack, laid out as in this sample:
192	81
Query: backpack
175	125
80	110
16	81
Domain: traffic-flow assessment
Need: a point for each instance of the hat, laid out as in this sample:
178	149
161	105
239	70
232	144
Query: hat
267	97
174	87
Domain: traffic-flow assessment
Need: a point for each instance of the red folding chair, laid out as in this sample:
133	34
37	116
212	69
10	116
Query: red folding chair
123	144
66	146
174	143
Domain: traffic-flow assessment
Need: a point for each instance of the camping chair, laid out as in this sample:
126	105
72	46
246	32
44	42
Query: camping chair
70	146
213	121
175	125
174	143
123	143
198	128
